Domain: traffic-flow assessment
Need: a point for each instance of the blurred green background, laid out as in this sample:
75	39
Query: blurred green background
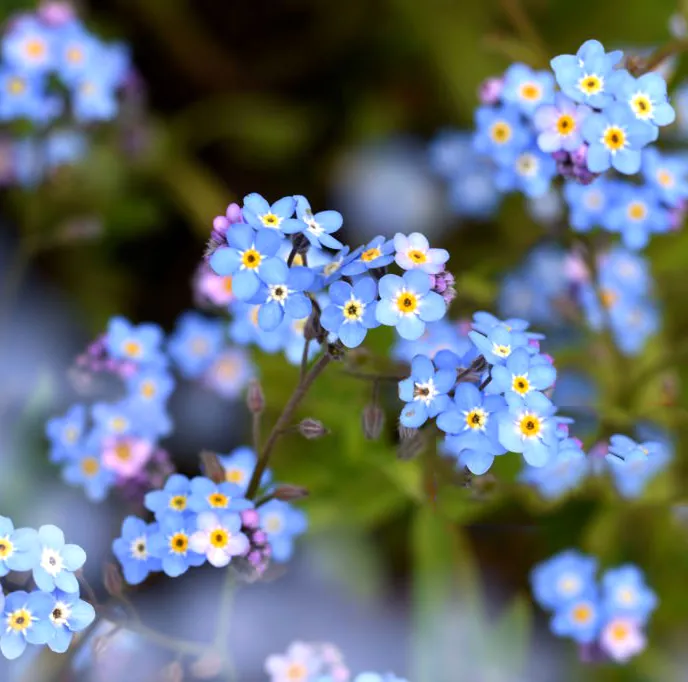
274	96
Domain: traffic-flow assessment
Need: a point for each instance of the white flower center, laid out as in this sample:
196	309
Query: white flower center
278	292
139	548
51	561
60	613
425	392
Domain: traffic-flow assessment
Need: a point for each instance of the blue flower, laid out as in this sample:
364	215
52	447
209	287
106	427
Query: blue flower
500	134
229	373
245	330
76	53
260	214
139	344
171	544
150	387
57	562
559	124
484	322
579	619
561	474
131	549
499	343
526	88
194	344
584	77
68	614
528	427
29	46
239	465
472	422
407	303
27	620
668	175
521	374
206	495
616	138
633	321
646	96
172	499
19	549
625	593
116	419
351	312
632	465
563	579
588	204
282	523
65	432
283	294
333	270
248	254
23	96
424	392
636	214
317	228
85	469
531	172
377	253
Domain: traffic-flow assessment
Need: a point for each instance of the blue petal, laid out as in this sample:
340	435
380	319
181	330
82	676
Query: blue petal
245	284
365	289
410	327
225	261
477	461
414	415
422	368
331	318
298	306
241	237
385	311
433	307
389	285
268	241
352	334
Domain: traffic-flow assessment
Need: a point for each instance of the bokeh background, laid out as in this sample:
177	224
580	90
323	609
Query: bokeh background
337	101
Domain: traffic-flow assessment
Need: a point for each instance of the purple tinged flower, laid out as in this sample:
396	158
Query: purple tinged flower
351	312
219	537
559	124
490	91
126	456
622	638
414	252
443	284
229	372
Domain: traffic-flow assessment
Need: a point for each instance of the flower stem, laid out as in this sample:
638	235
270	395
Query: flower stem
661	54
283	422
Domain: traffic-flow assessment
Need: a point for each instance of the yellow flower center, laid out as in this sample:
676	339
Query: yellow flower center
273	523
75	55
609	297
35	48
118	424
417	256
219	538
16	86
132	349
179	543
123	452
637	210
566	125
254	315
582	613
590	84
614	138
619	631
530	91
526	164
500	132
251	259
476	418
227	284
87	88
271	220
407	302
90	466
353	310
234	476
665	178
520	385
71	434
148	389
297	672
6	548
227	369
178	502
641	105
371	254
19	620
627	596
218	500
332	267
530	425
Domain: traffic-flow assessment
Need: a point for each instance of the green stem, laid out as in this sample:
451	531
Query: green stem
660	55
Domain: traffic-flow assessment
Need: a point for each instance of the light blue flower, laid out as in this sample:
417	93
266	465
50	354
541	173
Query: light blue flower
500	134
115	419
521	374
245	330
377	253
259	213
668	175
282	522
499	343
68	614
171	543
580	619
351	312
625	593
424	392
563	578
632	465
27	621
584	76
131	549
29	46
561	474
317	228
615	139
239	465
407	303
150	387
588	204
527	88
248	254
23	96
172	499
19	549
283	294
195	343
646	96
559	124
57	561
66	432
229	373
140	344
438	336
531	172
84	469
205	495
378	677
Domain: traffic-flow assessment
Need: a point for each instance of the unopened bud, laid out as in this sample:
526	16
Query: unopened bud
410	443
373	421
312	429
172	673
112	579
255	399
313	330
289	493
212	467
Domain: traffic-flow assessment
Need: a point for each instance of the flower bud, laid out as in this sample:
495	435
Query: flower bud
255	399
313	330
289	493
312	429
112	579
212	467
410	443
373	421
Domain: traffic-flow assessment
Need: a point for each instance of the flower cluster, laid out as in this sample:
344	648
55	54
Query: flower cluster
317	662
198	520
606	619
52	612
288	289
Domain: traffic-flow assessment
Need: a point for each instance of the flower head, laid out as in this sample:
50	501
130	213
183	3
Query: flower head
131	549
559	124
57	561
351	312
526	88
260	214
424	392
317	228
218	537
282	522
414	252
